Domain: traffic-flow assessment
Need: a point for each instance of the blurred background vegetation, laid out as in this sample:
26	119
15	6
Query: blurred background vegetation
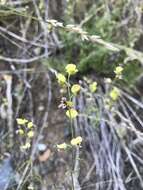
33	47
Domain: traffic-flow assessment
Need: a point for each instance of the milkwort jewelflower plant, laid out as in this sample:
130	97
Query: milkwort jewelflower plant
71	112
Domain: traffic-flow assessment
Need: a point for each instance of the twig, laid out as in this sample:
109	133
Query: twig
22	61
8	79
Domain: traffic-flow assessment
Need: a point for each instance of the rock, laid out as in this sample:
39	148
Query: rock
7	174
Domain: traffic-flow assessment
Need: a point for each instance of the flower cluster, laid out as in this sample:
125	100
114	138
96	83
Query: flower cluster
71	113
114	93
93	87
74	142
62	146
75	89
25	129
70	69
118	72
61	79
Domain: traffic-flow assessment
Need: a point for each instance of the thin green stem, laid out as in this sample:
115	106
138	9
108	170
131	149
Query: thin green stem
72	131
70	99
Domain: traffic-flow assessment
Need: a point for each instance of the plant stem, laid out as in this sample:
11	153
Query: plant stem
72	131
70	99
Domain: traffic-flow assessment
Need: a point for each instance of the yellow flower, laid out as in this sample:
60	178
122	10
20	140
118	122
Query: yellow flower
62	146
76	141
69	104
93	87
61	79
30	134
118	70
71	69
114	94
26	146
108	80
29	125
75	89
20	131
21	121
71	113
